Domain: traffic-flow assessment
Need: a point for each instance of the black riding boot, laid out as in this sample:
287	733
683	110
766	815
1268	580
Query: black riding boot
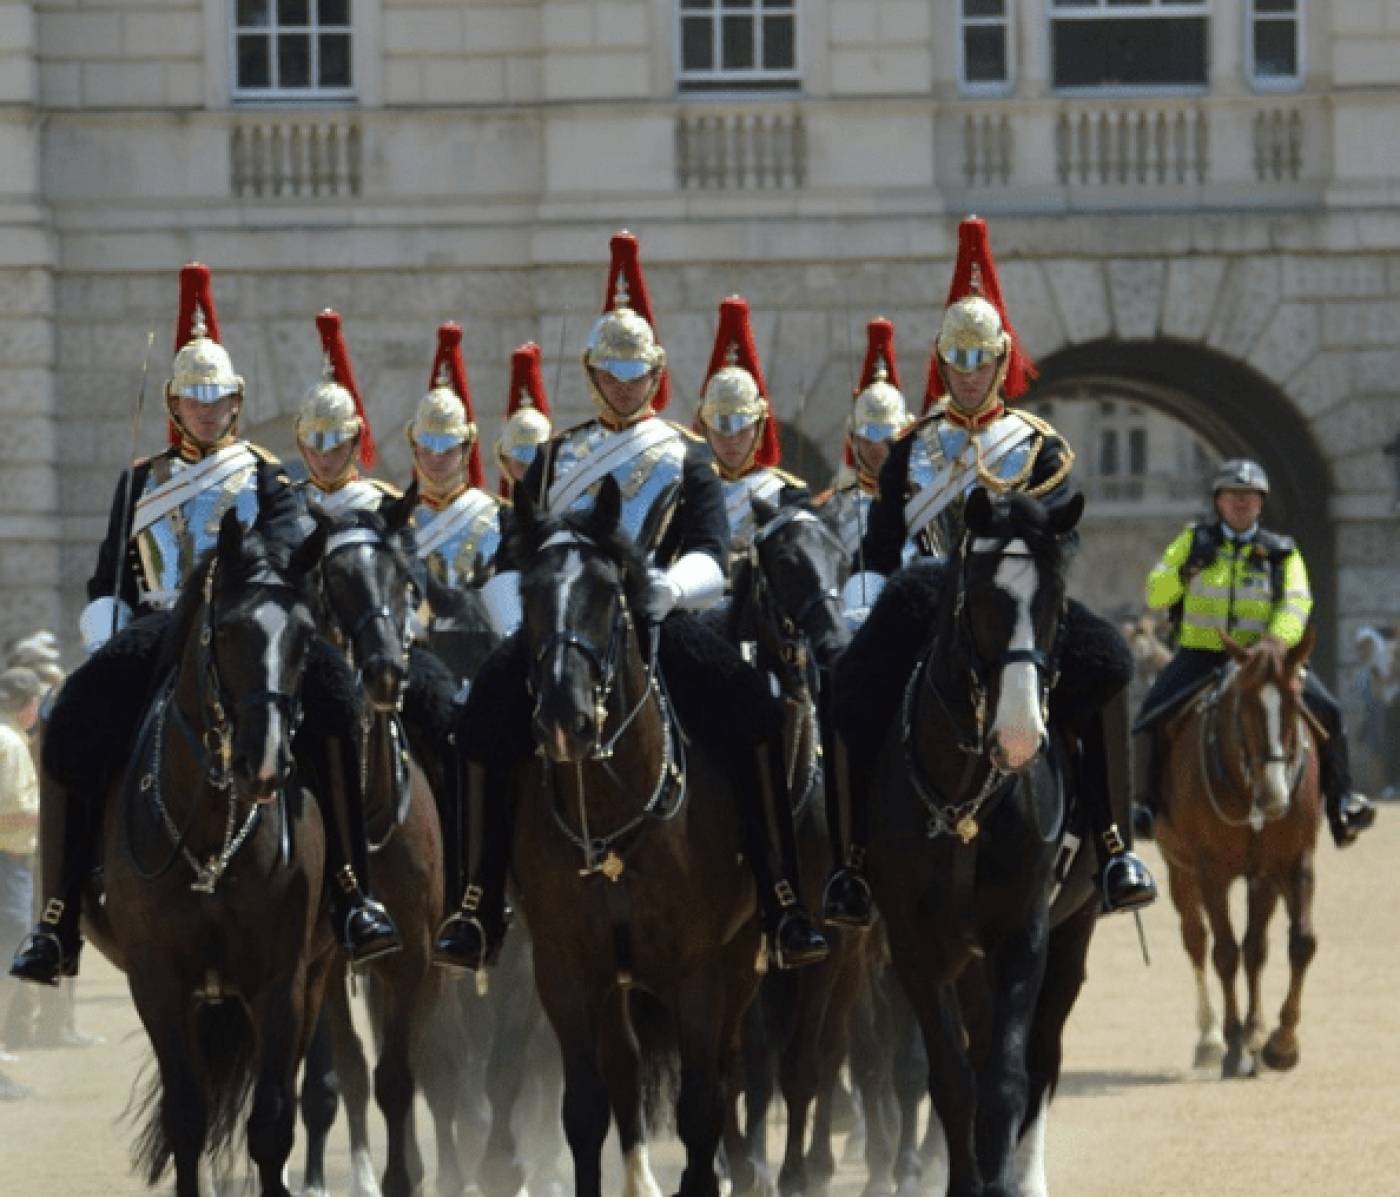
1349	813
362	925
67	838
471	937
1144	791
766	814
847	900
1124	880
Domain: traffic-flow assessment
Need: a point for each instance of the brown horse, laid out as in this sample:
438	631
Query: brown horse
1241	799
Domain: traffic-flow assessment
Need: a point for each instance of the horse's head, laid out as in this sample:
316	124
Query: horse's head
371	587
252	648
788	592
460	633
580	581
1010	578
1263	691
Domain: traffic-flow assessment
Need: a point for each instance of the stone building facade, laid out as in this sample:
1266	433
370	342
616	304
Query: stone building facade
1213	234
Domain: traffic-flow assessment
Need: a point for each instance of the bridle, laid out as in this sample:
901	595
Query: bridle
353	632
795	635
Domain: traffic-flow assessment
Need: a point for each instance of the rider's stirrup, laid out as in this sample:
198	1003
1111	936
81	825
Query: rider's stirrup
1127	883
847	900
795	940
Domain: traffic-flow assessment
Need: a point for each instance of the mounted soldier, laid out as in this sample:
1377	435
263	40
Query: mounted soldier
736	419
458	521
878	415
673	509
967	438
166	514
1231	576
334	436
527	425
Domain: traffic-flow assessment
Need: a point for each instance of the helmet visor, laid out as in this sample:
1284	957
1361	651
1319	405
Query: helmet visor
731	422
437	442
624	369
207	392
324	442
965	361
524	454
876	432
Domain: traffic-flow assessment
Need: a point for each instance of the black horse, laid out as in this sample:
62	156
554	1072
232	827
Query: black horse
213	865
967	822
627	854
786	603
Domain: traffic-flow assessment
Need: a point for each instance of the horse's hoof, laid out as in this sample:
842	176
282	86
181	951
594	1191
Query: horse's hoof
1280	1059
363	1182
1208	1055
1238	1066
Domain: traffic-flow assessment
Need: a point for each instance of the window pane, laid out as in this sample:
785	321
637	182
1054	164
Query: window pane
1108	452
785	5
334	12
1275	49
697	48
254	62
1171	50
335	60
706	4
293	12
984	51
777	44
984	8
294	60
738	43
739	3
1275	5
254	14
1137	451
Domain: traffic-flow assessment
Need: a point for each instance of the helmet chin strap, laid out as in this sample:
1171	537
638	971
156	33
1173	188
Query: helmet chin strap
991	401
191	444
613	418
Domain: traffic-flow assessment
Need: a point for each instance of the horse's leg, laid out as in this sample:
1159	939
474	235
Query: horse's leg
440	1066
798	1074
910	1075
1226	957
320	1098
1262	901
180	1122
701	1030
748	1158
399	984
353	1069
547	1177
872	1066
620	1063
586	1114
272	1122
950	1085
1281	1050
1190	906
502	1174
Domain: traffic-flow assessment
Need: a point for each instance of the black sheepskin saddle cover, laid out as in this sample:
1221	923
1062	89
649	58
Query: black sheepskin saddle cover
1095	661
722	701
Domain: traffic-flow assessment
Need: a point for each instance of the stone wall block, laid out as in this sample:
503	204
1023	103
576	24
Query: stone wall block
567	25
1081	296
622	24
1349	277
35	563
1358	587
904	21
28	488
26	438
423	31
1192	287
1137	287
60	84
1292	337
28	390
1377	372
457	80
1368	543
1361	325
797	355
25	343
1244	306
25	292
1367	425
163	35
1033	310
79	35
1327	380
500	29
852	22
122	85
25	608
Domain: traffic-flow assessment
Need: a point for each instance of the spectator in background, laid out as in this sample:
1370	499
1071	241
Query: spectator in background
20	691
1390	702
1368	687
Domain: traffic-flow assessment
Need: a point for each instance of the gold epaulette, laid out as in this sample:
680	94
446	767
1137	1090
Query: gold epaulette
262	454
789	479
689	433
388	488
1046	429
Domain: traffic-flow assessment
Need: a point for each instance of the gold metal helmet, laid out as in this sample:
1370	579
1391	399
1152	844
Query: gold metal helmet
880	410
441	420
327	416
624	344
732	401
971	334
203	370
522	435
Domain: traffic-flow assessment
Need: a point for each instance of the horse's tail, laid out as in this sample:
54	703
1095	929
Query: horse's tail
225	1066
660	1060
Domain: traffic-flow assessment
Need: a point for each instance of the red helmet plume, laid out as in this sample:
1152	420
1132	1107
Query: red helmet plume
734	346
451	368
526	381
879	351
333	345
627	265
196	293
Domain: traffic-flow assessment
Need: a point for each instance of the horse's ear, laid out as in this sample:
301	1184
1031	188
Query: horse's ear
1297	656
1237	652
398	512
978	514
527	520
230	545
763	510
1064	516
308	553
607	508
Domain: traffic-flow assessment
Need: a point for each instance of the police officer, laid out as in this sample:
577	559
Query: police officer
1231	575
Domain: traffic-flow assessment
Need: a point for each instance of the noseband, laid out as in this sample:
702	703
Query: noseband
351	538
796	639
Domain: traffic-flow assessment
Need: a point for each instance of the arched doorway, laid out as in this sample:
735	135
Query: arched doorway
1236	411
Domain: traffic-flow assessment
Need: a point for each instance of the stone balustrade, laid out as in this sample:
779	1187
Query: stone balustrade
280	157
760	147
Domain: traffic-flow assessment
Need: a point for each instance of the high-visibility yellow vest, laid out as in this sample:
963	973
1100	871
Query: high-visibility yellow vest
1243	591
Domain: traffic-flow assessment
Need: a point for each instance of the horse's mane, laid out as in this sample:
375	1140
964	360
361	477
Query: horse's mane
613	542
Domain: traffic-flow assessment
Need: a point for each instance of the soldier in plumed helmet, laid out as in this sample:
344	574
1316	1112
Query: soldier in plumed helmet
458	521
673	508
165	516
527	425
736	419
968	437
334	435
1232	575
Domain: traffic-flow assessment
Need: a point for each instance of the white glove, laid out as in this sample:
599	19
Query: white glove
100	618
697	580
501	594
663	597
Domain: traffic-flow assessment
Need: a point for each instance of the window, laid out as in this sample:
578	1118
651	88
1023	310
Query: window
1275	55
291	48
738	43
1120	44
986	56
1108	452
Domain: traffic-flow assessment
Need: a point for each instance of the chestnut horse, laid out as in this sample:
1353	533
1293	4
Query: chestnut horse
1241	799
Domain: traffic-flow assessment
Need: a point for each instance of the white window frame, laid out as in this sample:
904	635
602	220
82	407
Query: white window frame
1007	21
312	94
1271	83
719	80
1148	10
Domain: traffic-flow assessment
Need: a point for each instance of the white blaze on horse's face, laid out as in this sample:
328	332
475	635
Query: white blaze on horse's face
273	621
1018	730
1275	795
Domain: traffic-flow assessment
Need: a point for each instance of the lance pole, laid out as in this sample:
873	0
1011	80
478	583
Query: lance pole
128	480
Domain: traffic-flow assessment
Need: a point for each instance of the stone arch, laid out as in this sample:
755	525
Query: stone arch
1241	412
